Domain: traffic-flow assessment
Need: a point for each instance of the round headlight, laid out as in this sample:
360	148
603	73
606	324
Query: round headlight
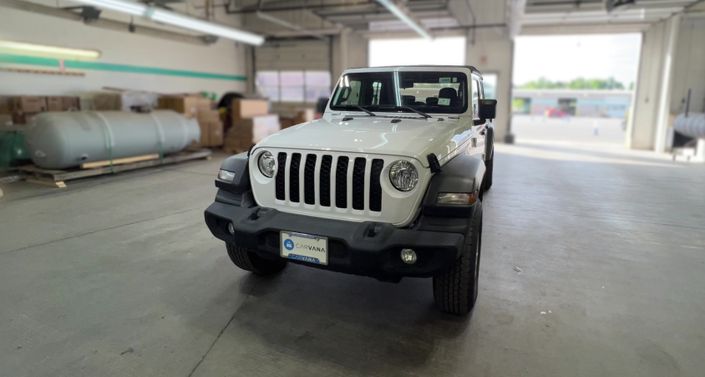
403	175
266	163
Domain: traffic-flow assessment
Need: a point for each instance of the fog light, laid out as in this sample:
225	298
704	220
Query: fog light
231	228
408	256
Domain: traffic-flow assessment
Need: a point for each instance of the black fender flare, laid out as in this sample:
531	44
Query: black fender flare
464	174
238	164
489	143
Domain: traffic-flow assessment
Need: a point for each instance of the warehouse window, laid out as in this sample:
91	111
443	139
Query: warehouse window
293	86
268	84
317	85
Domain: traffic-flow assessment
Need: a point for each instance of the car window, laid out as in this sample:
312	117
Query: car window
430	92
364	89
434	92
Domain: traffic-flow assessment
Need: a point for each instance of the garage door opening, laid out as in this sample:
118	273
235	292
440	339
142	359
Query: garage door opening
417	51
574	88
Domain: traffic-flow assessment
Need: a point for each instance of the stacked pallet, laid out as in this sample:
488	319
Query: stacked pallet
251	122
202	109
19	110
301	116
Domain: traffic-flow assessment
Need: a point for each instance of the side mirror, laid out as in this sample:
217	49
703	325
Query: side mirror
487	109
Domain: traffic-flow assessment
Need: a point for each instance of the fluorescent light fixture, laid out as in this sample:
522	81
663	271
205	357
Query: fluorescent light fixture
403	16
49	51
176	19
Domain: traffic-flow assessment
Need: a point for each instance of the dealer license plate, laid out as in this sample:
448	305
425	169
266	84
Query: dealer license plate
304	247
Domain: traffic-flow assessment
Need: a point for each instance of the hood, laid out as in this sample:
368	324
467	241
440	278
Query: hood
411	137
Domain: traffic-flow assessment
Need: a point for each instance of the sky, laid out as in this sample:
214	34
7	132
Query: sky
563	58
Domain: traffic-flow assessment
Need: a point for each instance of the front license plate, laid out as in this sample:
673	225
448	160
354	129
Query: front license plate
304	247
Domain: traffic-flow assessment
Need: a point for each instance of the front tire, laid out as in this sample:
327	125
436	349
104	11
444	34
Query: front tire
247	260
455	289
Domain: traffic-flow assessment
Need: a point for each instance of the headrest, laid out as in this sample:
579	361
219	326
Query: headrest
408	100
448	93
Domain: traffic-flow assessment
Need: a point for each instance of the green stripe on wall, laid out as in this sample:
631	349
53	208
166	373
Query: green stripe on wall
97	66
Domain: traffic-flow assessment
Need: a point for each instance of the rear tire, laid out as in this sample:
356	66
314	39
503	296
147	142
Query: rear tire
455	289
247	260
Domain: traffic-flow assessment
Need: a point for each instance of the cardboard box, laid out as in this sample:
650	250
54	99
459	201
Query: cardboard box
213	134
189	106
70	104
107	101
5	105
29	104
118	101
23	118
55	103
211	128
246	132
6	120
208	116
132	100
303	116
286	122
246	108
65	103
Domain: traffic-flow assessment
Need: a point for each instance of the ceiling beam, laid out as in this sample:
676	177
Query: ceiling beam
104	23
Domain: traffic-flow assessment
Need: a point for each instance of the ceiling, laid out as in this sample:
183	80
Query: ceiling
635	15
529	16
317	18
369	15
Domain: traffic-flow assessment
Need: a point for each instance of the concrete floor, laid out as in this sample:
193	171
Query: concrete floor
592	264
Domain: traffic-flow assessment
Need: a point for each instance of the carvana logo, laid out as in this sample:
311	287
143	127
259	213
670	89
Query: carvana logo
289	244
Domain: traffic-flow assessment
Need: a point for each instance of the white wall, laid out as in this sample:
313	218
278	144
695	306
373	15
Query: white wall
224	57
689	65
641	133
672	61
349	51
493	52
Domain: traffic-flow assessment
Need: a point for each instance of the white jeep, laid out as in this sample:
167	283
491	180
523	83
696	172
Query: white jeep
387	184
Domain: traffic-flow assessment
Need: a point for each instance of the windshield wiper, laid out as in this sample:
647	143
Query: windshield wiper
408	108
416	111
370	113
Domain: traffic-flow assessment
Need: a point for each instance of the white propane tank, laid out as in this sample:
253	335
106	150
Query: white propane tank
61	140
693	125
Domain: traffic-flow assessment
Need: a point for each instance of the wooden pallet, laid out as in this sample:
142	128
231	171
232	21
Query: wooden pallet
119	161
58	178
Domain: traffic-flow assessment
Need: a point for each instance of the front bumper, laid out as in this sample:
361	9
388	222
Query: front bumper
366	248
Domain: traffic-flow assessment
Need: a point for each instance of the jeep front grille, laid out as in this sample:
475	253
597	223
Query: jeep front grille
349	188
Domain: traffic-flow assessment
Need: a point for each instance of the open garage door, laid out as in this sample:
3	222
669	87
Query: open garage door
574	89
293	74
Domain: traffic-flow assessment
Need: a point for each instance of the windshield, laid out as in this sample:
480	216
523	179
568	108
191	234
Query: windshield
429	92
